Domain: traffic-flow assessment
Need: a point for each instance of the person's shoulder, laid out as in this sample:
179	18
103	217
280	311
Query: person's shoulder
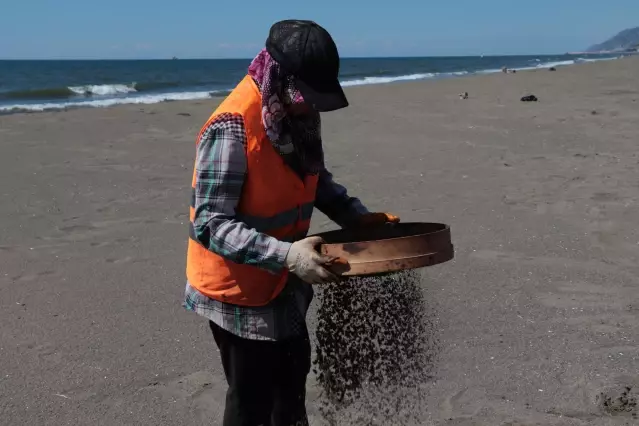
226	121
228	124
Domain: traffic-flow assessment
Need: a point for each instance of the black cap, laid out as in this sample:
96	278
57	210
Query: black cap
308	52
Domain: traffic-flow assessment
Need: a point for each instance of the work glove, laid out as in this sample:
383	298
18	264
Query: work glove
308	264
375	219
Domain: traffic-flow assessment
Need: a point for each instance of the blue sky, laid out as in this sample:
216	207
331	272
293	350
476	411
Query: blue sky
220	29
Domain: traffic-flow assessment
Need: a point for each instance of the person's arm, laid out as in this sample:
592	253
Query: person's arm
333	200
220	171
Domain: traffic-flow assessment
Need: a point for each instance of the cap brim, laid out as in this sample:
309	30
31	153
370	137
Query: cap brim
326	97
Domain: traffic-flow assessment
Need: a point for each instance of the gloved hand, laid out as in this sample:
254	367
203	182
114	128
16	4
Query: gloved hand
376	219
307	263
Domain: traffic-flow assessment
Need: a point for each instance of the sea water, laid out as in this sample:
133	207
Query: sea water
51	84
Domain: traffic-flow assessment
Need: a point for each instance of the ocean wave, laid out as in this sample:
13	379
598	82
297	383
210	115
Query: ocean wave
103	89
489	71
555	64
566	63
546	65
120	89
101	103
595	59
88	90
71	91
384	80
391	79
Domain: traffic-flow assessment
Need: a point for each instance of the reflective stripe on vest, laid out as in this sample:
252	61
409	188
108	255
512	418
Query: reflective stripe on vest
280	220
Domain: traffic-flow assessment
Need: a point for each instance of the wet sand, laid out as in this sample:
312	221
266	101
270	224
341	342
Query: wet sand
537	317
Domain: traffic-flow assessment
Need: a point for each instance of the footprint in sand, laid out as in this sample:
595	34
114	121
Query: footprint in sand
605	197
47	353
127	259
117	241
35	276
77	228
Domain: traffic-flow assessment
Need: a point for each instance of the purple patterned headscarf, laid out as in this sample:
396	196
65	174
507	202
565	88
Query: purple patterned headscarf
288	134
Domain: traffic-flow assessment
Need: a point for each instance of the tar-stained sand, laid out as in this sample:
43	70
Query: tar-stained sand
537	318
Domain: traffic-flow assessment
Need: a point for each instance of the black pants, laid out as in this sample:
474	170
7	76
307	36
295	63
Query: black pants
267	380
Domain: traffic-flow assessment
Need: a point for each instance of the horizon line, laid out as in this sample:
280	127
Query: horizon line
175	58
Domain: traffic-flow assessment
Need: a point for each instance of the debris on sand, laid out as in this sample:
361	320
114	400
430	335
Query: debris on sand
619	402
375	348
529	98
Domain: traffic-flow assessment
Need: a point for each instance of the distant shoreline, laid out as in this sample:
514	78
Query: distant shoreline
188	80
622	52
250	58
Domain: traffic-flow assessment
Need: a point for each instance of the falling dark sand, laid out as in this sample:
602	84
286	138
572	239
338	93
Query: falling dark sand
375	348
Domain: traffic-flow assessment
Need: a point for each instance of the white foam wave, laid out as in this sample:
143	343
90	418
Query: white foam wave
408	77
555	64
545	65
101	103
489	71
457	73
383	80
595	59
569	62
103	89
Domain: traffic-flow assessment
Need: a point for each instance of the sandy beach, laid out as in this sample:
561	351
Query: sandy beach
537	317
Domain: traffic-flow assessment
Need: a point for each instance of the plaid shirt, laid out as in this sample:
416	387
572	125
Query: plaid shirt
220	170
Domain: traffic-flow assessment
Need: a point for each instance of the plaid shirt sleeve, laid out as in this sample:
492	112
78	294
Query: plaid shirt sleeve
333	200
220	170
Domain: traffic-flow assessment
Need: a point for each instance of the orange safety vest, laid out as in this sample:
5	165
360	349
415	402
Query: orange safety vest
274	201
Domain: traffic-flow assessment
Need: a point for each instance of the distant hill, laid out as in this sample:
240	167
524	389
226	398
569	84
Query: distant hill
627	39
